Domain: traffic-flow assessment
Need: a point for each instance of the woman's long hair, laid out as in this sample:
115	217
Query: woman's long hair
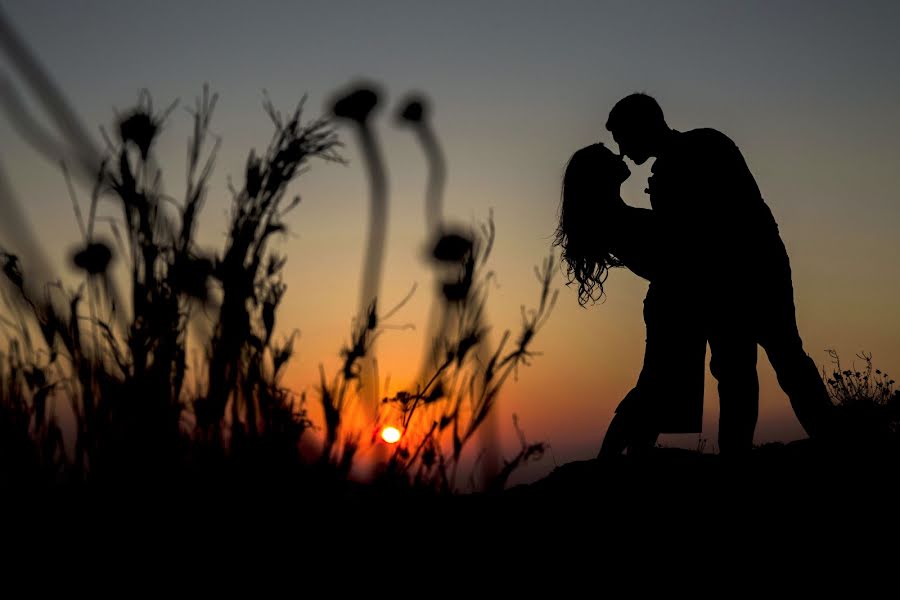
592	172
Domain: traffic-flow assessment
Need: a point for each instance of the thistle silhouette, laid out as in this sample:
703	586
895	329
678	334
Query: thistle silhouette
357	105
120	358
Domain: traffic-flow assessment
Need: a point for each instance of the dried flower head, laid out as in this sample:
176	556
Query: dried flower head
94	258
357	104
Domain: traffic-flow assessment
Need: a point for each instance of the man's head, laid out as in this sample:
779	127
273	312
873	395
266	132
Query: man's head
638	126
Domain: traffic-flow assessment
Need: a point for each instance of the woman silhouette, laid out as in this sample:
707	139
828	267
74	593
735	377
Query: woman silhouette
598	231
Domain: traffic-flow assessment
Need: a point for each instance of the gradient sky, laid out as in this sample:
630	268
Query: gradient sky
808	90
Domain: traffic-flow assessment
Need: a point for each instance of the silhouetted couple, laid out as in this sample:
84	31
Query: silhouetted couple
718	273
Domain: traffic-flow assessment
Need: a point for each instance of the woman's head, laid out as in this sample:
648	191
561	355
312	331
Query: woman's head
590	187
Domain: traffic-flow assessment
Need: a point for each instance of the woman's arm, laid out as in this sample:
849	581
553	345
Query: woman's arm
634	238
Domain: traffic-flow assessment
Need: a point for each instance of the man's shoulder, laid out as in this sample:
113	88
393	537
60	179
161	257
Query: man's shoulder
703	146
705	137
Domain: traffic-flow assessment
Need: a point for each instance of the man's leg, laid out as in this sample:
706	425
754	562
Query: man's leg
733	364
797	373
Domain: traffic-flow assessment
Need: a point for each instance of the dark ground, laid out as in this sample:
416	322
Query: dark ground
795	491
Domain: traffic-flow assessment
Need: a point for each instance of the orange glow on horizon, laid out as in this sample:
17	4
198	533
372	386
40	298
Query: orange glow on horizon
391	435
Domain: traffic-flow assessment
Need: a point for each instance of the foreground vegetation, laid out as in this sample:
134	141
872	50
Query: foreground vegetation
116	348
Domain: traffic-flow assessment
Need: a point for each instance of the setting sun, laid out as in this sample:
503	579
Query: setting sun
391	435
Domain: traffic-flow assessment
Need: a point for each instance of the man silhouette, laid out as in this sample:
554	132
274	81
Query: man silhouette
725	250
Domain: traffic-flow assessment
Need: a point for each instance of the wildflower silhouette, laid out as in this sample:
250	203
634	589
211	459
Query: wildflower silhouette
116	348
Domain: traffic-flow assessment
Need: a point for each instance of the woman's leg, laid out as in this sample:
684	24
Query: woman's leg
630	430
668	396
616	439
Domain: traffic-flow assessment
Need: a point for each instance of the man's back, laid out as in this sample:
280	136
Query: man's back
711	207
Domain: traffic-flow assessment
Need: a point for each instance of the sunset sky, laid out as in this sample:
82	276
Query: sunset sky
809	91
